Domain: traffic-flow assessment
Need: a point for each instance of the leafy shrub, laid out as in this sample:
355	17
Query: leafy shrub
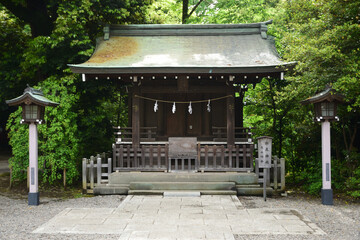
58	144
353	184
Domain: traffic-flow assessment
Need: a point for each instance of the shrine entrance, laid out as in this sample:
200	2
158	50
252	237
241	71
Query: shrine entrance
186	120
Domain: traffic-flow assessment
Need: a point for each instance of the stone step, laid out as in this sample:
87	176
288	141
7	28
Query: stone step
248	186
161	192
110	190
182	186
128	177
250	191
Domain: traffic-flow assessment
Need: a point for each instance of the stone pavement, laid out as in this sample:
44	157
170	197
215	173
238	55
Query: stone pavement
158	217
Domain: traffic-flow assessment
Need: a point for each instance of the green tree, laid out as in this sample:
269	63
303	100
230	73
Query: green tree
45	48
323	37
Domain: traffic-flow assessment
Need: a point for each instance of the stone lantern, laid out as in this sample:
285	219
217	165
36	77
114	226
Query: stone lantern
33	104
325	105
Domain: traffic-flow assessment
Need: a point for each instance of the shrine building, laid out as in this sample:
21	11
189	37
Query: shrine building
186	85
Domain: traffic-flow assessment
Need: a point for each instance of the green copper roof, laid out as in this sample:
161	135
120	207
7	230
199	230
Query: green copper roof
215	48
31	95
328	94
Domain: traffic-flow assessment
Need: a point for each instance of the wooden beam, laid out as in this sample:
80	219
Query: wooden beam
182	83
193	89
135	115
230	115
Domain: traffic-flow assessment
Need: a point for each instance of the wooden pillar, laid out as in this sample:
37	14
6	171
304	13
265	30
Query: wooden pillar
230	115
135	114
130	109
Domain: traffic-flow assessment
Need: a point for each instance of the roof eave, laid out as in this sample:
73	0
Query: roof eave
330	96
181	70
27	96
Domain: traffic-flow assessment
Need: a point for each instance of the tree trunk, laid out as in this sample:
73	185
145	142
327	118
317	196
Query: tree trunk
36	13
185	11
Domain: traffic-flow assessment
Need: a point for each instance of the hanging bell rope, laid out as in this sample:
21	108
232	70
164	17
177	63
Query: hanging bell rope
186	102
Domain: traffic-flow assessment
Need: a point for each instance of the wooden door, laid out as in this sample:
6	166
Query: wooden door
175	124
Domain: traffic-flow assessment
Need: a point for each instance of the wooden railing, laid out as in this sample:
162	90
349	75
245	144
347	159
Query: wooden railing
230	158
276	179
124	134
95	171
241	134
144	158
148	134
148	157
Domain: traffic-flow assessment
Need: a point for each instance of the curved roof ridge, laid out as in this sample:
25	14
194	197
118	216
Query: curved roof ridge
186	26
186	29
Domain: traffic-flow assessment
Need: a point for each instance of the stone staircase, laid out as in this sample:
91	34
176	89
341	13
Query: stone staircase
158	183
205	188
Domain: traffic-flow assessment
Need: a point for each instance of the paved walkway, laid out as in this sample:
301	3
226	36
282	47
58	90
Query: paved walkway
157	217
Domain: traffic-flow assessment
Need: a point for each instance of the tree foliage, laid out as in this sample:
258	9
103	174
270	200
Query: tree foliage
41	52
324	38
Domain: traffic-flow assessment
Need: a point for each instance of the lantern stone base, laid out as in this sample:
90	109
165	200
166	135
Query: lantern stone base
33	199
327	196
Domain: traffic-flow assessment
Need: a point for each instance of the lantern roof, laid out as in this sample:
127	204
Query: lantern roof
31	96
328	94
184	48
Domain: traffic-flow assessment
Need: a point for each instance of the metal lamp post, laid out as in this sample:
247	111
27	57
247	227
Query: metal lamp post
33	105
325	104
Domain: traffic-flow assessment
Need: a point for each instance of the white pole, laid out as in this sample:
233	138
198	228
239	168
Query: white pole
33	198
326	191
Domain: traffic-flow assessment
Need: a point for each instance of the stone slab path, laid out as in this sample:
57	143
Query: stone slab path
158	217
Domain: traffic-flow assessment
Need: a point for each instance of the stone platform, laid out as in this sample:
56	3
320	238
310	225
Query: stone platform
158	217
156	183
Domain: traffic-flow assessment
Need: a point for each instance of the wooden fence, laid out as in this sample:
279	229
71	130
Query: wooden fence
156	158
124	134
144	158
241	134
95	170
276	179
226	158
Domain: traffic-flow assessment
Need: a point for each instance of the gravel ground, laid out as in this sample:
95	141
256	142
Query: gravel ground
340	221
18	220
